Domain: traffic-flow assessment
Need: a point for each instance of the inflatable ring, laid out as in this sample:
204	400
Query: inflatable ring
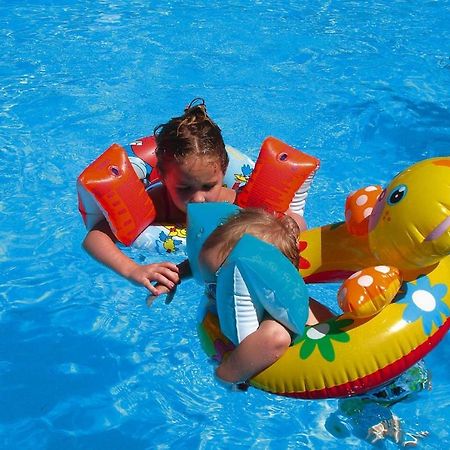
115	185
395	246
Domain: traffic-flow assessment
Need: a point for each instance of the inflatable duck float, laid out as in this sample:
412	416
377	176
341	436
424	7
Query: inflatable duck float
393	251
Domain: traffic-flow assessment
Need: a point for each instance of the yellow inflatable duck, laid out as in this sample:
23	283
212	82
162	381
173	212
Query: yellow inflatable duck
403	231
393	251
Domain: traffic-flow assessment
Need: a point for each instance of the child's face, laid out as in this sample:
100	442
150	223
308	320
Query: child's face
194	180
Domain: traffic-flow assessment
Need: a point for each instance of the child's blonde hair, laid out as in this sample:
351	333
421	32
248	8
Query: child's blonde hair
193	133
279	230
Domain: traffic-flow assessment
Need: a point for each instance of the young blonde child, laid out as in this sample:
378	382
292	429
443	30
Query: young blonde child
192	160
264	345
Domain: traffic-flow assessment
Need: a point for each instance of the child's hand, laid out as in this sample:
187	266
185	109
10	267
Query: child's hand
184	271
161	290
165	274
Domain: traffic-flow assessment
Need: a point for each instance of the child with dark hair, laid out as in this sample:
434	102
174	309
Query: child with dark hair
192	161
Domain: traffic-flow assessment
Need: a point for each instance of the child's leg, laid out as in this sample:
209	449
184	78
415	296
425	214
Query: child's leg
256	352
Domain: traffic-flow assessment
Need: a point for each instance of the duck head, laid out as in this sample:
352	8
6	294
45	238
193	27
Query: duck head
410	225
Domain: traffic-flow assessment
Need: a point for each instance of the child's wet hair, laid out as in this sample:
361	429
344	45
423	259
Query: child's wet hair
193	133
279	230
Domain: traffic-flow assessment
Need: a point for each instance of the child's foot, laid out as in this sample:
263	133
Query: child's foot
390	428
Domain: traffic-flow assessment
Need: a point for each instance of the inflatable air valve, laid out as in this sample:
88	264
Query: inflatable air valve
280	171
103	185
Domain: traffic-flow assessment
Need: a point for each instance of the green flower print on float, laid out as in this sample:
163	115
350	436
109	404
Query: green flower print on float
321	336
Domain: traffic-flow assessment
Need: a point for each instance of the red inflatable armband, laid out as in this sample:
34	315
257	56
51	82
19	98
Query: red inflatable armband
105	184
145	148
279	172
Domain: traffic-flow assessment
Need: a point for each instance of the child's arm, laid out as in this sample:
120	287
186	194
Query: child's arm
264	346
100	243
255	353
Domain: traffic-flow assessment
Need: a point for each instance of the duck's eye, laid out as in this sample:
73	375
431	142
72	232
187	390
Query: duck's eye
397	194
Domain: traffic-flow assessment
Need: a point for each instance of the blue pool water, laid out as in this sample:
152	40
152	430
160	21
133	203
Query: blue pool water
84	364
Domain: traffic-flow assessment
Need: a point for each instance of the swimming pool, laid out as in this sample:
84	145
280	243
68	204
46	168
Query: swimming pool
84	363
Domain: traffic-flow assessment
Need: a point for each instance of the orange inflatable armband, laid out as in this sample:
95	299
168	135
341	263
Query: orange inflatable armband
279	172
106	183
